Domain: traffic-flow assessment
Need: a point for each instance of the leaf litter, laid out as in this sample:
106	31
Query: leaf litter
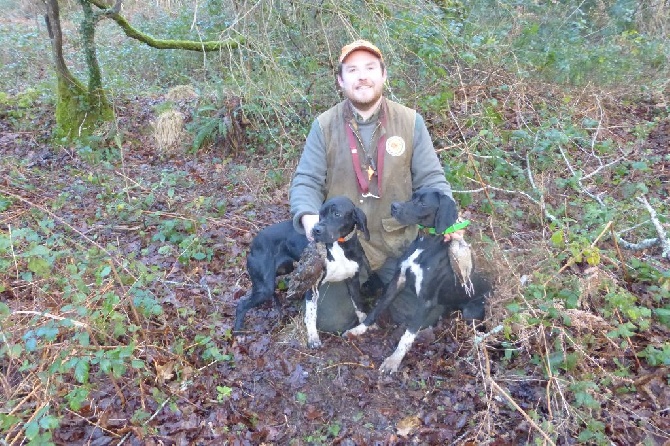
272	389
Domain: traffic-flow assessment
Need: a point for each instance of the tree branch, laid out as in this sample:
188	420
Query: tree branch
539	203
105	13
644	244
163	44
662	236
52	19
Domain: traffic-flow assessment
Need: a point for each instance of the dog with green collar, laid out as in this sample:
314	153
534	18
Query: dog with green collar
432	266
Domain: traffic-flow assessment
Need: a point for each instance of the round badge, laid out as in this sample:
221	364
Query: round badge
395	146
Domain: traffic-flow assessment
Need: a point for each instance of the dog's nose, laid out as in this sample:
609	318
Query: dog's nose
395	207
316	231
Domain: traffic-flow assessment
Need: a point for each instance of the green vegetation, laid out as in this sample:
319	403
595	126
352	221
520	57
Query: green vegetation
551	119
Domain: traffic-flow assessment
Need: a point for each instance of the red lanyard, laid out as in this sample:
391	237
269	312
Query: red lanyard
363	183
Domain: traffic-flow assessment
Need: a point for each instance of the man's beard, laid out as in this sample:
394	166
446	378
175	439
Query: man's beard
368	104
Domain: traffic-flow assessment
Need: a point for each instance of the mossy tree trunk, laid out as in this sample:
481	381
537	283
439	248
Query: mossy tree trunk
88	40
79	110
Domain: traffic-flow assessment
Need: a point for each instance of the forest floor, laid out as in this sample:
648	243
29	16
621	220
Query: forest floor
269	388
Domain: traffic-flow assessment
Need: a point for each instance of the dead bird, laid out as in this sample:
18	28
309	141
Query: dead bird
460	256
307	271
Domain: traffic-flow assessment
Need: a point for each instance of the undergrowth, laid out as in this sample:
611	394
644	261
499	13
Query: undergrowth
544	115
87	306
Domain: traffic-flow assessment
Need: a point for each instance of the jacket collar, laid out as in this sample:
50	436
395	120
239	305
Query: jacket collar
352	116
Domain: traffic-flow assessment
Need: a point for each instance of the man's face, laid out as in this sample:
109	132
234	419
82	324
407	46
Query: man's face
362	79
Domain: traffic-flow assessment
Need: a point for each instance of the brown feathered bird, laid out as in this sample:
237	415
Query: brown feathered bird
460	256
308	270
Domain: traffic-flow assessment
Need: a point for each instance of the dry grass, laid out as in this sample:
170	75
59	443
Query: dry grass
168	131
184	93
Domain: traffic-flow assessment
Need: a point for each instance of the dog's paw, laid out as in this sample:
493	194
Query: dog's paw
361	316
356	331
390	365
314	343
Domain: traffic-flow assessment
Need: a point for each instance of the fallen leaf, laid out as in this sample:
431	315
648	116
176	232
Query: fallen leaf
407	425
164	372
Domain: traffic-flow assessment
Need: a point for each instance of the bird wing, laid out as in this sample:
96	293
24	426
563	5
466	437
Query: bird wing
308	270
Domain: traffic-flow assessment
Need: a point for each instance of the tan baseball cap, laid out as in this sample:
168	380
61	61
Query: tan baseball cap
360	45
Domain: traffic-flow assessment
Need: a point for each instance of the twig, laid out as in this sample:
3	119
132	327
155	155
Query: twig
72	228
32	417
597	132
602	166
480	338
52	316
20	403
353	344
530	421
207	365
550	373
480	180
358	364
11	246
118	390
530	172
125	437
619	254
119	144
649	242
639	246
92	423
489	379
632	346
125	293
634	227
486	187
662	236
579	179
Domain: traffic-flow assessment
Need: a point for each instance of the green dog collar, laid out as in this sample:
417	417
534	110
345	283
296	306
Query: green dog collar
453	228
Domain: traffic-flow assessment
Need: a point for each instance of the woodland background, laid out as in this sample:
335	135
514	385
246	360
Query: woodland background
123	241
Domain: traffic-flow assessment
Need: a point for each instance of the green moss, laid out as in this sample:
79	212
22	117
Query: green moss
78	111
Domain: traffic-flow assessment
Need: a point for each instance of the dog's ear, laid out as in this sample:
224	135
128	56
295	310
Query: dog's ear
361	221
447	214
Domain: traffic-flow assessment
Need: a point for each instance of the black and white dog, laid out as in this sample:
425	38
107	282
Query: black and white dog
426	268
276	247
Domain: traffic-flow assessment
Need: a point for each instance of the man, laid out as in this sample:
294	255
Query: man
374	151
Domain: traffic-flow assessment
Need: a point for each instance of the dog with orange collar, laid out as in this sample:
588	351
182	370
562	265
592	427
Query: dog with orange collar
276	248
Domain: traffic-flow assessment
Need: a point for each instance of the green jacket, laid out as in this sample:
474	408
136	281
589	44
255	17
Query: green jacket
326	169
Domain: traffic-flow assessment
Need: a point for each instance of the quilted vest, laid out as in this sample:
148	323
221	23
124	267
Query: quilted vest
387	237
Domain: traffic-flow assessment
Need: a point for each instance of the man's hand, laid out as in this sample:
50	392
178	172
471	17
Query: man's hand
308	222
458	235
